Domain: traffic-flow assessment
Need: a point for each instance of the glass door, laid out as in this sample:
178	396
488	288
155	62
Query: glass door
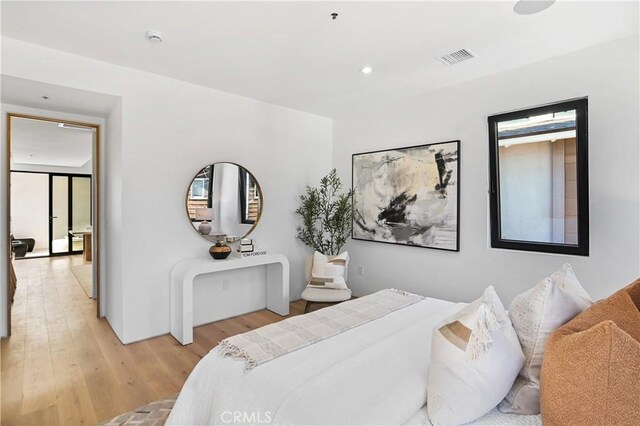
80	212
70	213
59	215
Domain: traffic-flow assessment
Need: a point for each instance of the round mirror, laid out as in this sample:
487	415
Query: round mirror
224	201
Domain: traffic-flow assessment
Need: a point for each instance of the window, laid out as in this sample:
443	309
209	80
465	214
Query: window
539	179
200	189
249	197
200	192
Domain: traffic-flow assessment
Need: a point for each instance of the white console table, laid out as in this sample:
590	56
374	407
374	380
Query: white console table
185	272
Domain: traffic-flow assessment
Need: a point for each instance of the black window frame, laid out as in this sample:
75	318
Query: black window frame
244	179
582	171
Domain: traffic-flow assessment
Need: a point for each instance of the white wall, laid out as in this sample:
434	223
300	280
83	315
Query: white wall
30	207
170	130
111	256
164	131
608	75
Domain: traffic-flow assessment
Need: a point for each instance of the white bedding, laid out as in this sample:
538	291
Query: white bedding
492	418
372	374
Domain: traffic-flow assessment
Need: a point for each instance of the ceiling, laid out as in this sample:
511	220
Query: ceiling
43	143
29	93
293	54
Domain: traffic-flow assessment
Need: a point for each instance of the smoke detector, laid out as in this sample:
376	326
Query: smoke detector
457	56
155	36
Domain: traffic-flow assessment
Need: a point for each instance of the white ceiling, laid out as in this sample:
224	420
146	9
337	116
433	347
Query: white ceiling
29	93
293	54
44	143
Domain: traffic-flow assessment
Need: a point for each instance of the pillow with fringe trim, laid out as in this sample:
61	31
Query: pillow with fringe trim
535	315
475	358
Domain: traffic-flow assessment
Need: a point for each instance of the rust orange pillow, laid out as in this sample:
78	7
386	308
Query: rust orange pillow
591	368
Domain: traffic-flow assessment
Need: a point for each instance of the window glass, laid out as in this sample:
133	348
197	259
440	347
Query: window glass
539	179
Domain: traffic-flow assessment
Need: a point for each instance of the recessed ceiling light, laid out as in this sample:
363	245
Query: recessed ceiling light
366	70
75	127
529	7
155	36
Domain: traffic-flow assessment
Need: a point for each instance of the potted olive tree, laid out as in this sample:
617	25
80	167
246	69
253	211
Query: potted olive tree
326	224
326	216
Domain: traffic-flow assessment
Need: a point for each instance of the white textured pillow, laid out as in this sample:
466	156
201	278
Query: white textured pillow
535	315
329	271
475	357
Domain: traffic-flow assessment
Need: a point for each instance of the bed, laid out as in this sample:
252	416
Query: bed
375	373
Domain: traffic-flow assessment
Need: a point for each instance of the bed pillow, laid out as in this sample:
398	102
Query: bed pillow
329	271
535	315
591	369
475	357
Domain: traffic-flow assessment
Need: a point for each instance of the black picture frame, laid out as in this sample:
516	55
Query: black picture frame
442	173
582	176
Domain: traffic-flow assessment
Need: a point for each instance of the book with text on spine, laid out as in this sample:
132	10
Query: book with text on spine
253	253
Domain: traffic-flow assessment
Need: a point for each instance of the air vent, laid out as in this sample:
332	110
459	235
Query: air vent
457	56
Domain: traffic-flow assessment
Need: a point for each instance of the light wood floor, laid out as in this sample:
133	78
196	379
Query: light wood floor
63	366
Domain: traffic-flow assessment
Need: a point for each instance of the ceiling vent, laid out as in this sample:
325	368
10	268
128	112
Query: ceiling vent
456	57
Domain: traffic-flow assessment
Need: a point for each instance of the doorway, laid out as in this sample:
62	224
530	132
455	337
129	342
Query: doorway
52	214
62	157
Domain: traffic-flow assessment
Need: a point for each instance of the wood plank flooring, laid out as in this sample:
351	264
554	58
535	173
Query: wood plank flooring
63	366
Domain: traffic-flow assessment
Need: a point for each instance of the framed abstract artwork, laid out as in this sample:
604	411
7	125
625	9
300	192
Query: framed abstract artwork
408	196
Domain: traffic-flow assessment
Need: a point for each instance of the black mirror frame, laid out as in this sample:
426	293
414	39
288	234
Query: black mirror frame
582	170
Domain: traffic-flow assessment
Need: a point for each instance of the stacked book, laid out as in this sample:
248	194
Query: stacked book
247	248
246	245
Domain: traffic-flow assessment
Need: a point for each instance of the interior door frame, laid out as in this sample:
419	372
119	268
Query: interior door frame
69	177
95	200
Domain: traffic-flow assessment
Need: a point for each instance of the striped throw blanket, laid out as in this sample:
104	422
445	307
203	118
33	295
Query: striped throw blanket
272	341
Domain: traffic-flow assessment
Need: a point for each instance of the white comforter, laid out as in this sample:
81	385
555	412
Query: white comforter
373	374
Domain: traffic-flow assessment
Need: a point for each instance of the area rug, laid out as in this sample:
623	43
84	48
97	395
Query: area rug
153	414
84	275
